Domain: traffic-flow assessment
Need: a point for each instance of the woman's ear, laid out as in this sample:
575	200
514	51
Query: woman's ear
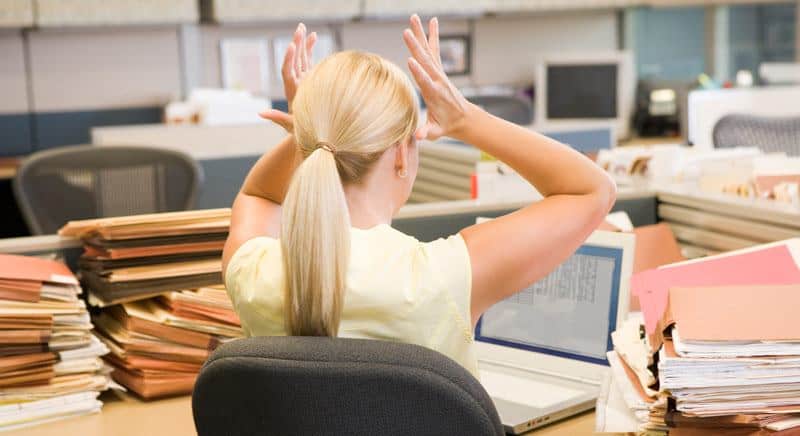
401	159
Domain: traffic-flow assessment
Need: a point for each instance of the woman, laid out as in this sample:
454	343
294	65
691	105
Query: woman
310	250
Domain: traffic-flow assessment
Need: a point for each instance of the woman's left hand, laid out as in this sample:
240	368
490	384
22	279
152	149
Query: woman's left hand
296	64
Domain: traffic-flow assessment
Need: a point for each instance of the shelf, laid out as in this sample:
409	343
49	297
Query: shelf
78	13
16	13
249	11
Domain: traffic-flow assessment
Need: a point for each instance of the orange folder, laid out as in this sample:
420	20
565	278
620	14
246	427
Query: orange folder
768	266
736	313
13	267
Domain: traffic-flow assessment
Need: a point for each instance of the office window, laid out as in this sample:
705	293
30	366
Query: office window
668	43
761	33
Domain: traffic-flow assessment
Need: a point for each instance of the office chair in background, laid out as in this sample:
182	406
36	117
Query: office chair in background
770	134
80	182
334	386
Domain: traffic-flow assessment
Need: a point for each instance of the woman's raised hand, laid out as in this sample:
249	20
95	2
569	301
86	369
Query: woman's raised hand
296	64
446	107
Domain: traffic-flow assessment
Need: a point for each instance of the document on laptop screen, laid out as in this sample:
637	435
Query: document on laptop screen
569	311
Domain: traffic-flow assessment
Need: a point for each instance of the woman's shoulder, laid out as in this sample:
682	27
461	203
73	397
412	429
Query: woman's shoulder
254	255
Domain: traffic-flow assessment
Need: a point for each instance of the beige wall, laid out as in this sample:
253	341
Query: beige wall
386	39
13	86
95	68
507	48
104	68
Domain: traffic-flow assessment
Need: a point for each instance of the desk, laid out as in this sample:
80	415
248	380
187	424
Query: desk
124	415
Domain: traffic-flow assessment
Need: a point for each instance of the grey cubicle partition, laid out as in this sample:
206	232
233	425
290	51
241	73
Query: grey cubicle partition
642	211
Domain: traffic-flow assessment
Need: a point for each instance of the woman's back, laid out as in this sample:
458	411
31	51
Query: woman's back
296	266
398	289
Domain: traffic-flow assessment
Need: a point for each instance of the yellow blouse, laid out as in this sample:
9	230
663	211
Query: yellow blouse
398	289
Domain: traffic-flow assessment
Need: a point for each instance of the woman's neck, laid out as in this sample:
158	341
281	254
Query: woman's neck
369	205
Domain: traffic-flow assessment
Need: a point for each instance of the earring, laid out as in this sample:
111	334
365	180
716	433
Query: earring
402	173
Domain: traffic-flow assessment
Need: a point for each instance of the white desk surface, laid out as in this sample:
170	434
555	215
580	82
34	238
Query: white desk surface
128	416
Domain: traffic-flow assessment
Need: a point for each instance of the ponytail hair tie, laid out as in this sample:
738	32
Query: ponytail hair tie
327	146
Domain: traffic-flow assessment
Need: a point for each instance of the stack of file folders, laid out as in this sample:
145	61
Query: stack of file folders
717	351
50	366
133	257
157	281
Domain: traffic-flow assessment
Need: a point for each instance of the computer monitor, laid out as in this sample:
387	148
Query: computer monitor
593	89
571	312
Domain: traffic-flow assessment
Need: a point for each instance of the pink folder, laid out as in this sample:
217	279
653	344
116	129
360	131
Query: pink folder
736	313
769	266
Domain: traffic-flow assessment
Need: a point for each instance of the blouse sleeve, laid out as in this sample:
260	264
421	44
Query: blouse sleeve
243	267
449	264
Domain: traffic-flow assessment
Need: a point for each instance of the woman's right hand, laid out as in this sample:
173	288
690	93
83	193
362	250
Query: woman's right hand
296	64
447	108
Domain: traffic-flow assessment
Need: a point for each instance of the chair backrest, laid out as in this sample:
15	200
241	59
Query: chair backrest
336	386
80	182
507	107
770	134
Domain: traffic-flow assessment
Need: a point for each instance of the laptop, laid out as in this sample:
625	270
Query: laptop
542	352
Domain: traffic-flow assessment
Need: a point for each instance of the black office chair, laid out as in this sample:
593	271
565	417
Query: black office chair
80	182
770	134
333	386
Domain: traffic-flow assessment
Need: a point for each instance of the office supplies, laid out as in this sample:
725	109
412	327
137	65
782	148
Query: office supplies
768	313
156	278
727	362
141	256
764	266
159	344
655	246
585	89
542	352
50	365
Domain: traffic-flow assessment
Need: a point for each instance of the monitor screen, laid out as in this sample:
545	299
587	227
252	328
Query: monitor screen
581	91
570	313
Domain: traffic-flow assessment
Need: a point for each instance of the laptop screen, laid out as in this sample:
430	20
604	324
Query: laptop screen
570	313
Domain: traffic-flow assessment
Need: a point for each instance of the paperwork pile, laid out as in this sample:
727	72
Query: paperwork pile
159	344
719	351
156	278
134	257
50	366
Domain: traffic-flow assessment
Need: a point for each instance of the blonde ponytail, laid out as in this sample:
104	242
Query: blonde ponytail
347	112
315	241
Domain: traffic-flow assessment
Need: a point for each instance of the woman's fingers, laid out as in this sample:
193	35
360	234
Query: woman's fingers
303	51
297	40
287	70
280	118
426	85
420	55
433	40
310	41
419	33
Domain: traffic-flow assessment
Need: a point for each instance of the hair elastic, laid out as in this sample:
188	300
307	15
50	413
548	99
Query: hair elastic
327	146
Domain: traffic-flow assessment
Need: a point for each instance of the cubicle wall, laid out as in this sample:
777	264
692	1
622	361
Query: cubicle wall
437	220
706	223
58	81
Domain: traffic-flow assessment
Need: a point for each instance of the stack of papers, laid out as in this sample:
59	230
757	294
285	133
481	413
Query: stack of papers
50	366
719	351
156	278
159	344
134	257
